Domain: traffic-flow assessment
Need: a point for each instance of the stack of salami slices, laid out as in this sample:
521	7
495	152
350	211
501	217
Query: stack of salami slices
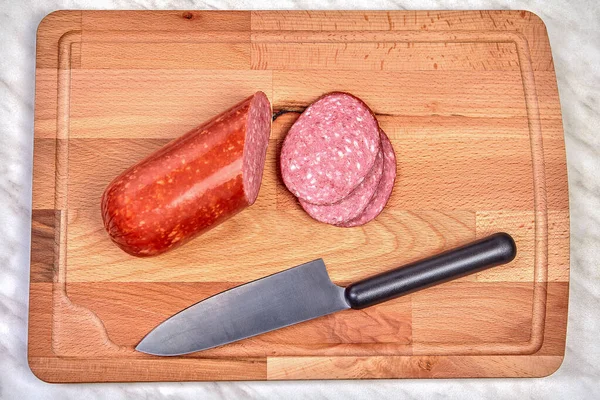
338	162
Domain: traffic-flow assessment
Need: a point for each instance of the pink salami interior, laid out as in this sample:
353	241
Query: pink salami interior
255	148
351	206
330	148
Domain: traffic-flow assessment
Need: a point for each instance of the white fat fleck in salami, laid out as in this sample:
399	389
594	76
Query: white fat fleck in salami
330	149
258	129
384	189
352	205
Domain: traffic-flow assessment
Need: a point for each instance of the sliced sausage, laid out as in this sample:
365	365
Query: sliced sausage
330	149
352	205
384	189
191	184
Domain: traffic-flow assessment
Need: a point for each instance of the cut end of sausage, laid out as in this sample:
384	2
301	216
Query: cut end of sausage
258	130
330	149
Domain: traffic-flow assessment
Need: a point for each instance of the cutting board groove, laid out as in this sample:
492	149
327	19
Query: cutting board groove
470	103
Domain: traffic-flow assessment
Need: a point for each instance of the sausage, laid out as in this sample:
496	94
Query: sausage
330	149
352	205
192	184
384	189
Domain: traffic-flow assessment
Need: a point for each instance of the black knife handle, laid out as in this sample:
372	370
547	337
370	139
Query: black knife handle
485	253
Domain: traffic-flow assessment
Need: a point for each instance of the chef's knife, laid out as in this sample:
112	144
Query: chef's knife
305	292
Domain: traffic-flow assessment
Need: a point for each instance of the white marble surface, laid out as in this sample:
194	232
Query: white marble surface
575	37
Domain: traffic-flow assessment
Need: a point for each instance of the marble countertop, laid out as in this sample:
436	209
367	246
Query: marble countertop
575	39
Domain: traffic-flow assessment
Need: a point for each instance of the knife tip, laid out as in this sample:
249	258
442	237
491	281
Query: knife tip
145	346
140	348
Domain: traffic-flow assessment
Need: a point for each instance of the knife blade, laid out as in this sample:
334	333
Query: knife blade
306	292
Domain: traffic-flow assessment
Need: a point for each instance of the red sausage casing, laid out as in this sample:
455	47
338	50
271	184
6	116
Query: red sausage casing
191	184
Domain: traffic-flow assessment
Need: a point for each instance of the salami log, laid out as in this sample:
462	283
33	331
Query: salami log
330	149
384	189
192	184
352	205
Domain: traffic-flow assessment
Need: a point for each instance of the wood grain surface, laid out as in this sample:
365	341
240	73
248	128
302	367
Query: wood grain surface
470	102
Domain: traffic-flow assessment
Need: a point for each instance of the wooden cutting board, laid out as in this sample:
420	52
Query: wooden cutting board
470	102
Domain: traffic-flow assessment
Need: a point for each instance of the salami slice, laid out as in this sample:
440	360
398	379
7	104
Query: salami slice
352	205
384	189
192	184
330	149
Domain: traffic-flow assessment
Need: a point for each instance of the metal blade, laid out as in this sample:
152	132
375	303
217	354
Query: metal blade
286	298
